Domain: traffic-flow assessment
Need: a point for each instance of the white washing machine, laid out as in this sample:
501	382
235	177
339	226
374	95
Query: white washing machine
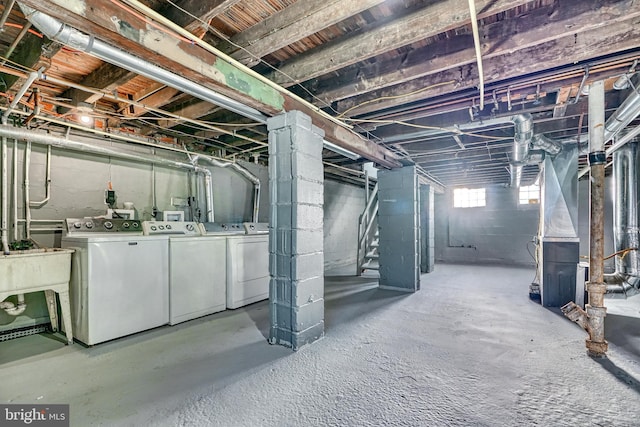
119	279
248	266
197	269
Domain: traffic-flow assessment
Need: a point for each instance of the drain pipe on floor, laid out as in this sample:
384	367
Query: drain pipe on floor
593	319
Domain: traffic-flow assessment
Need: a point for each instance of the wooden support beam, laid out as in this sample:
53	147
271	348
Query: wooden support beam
195	111
107	77
118	27
441	16
155	99
301	19
204	10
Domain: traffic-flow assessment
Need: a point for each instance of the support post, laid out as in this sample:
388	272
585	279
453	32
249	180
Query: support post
296	257
398	223
427	229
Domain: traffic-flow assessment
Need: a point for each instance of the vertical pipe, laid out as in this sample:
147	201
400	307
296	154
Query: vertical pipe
366	187
27	198
15	190
4	204
47	194
208	190
5	200
596	312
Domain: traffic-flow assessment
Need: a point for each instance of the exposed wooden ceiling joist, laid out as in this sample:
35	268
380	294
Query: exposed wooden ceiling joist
559	52
192	62
500	39
203	10
293	23
393	35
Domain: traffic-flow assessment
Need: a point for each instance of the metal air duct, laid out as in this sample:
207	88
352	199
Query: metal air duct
522	136
625	281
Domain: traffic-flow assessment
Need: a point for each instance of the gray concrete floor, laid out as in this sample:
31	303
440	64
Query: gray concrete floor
469	349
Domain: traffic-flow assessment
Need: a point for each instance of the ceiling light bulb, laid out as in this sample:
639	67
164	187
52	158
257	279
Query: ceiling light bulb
85	119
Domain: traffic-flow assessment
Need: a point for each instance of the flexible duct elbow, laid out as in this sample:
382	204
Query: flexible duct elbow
621	285
546	144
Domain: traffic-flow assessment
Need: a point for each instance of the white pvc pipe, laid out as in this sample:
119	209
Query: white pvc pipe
4	204
15	190
14	309
55	141
27	208
47	188
244	172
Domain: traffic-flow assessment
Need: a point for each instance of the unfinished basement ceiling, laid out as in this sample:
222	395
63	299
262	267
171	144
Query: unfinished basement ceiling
396	79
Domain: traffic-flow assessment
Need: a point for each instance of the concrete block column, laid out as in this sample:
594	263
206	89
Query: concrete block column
296	257
398	223
427	229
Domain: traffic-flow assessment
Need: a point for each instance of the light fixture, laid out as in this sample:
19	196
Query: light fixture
342	151
85	119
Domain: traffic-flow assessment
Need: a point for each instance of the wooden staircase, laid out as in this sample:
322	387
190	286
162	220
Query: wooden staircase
368	242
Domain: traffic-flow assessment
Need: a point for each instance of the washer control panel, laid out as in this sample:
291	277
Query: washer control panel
186	228
103	225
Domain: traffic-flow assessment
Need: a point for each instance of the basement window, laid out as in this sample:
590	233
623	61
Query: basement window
529	195
469	197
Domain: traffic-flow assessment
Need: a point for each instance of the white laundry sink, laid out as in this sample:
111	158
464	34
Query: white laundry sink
32	270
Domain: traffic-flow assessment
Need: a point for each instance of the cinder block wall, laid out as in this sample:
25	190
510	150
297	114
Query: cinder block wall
496	233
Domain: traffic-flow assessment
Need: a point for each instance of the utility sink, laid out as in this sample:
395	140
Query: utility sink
33	270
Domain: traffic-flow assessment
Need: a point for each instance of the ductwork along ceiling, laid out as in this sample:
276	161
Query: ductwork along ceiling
394	81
